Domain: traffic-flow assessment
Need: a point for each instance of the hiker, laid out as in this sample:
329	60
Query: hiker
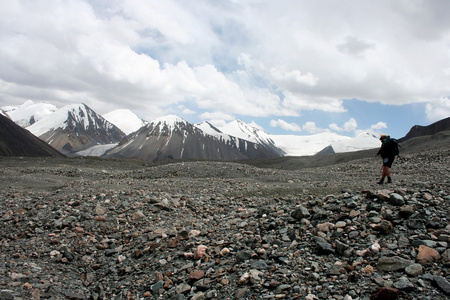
388	151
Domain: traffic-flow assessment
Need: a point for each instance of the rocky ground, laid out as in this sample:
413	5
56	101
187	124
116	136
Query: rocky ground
95	229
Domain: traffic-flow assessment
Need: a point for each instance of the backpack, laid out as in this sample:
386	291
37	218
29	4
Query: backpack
394	147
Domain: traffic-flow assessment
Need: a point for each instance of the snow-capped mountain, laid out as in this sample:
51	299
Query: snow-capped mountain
171	137
74	128
247	132
324	142
296	145
240	135
125	119
29	112
362	141
303	145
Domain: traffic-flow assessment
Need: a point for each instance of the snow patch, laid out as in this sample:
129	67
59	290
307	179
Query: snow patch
97	150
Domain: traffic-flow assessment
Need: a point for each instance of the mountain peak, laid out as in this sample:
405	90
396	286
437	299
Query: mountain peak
27	103
29	112
209	128
168	123
125	119
169	119
365	134
61	118
242	130
75	127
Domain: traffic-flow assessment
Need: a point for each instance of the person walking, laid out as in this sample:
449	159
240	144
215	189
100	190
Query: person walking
388	151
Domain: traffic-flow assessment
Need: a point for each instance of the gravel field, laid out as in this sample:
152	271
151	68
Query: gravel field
290	228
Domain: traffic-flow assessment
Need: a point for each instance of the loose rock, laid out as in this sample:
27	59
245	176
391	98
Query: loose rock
224	230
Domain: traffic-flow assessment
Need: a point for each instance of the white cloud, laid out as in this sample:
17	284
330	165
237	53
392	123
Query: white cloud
351	126
216	116
297	102
375	129
311	127
348	126
187	111
438	109
379	126
159	16
234	57
334	127
355	47
285	125
293	77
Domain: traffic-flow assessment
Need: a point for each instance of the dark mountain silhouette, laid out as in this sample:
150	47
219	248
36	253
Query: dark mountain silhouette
326	150
418	131
16	141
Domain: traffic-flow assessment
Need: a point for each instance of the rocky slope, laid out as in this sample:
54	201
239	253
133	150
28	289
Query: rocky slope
109	229
16	141
432	129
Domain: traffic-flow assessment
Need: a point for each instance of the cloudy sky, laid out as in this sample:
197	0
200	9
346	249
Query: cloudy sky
288	66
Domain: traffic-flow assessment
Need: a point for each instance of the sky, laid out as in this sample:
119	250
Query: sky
287	66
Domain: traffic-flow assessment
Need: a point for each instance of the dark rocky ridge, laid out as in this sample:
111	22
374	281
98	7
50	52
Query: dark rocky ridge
419	131
16	141
290	228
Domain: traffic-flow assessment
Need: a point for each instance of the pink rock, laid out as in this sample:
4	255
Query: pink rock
383	195
325	227
194	233
137	215
427	254
362	253
200	251
224	251
197	274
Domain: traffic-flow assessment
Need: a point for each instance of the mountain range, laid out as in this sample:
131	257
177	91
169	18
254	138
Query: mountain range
171	137
78	130
29	112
